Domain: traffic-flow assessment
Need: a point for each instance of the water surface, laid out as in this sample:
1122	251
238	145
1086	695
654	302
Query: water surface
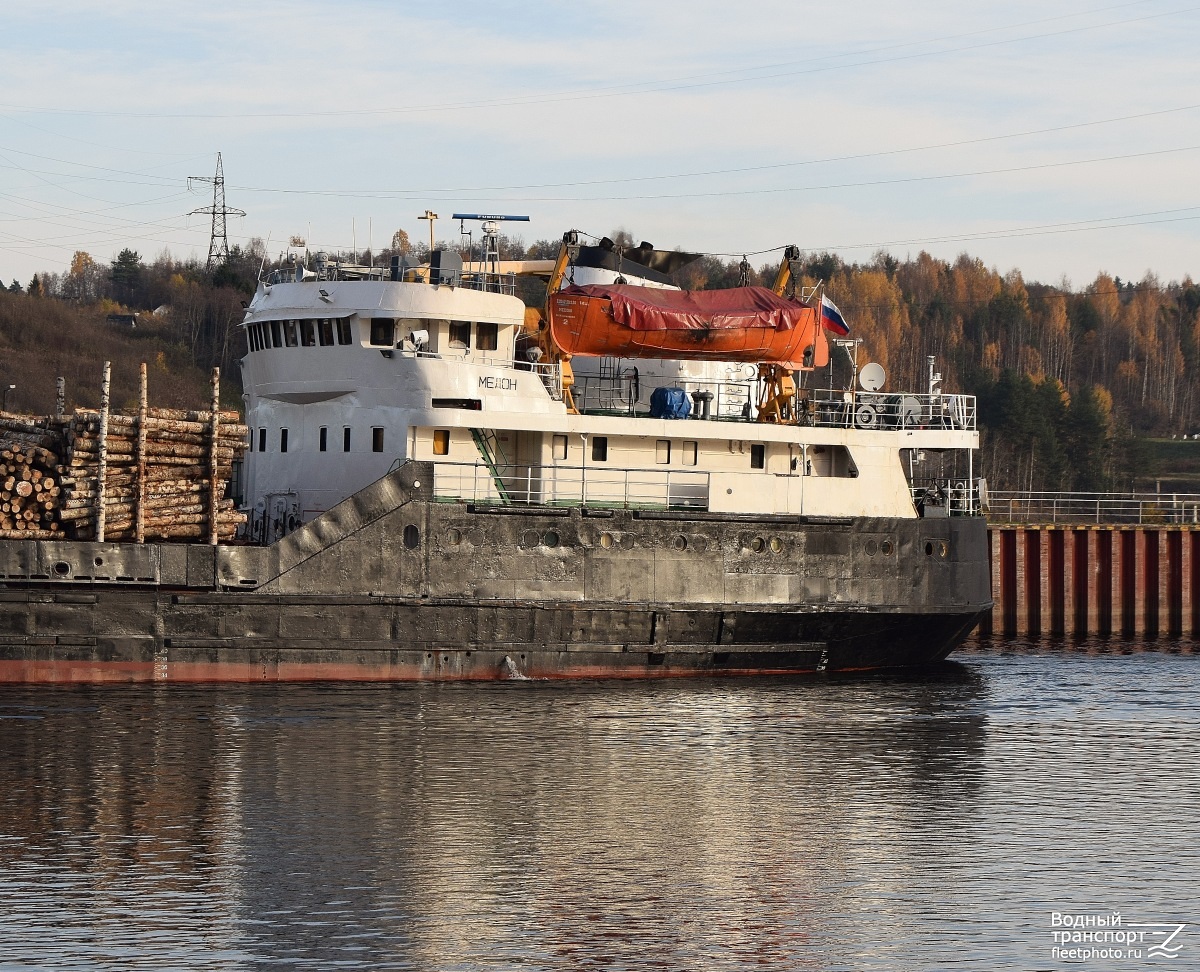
932	821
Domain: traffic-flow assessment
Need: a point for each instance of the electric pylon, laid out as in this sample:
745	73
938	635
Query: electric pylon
218	241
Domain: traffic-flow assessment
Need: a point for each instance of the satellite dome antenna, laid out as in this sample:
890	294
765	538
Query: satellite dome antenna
872	377
489	244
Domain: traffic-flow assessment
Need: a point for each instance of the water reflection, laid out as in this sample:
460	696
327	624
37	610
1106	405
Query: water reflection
774	824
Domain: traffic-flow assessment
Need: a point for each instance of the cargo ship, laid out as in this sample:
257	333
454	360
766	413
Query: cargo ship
631	481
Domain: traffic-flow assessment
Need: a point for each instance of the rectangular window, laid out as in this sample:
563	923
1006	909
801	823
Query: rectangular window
326	331
376	439
308	333
662	451
691	451
345	336
277	334
256	332
324	438
441	442
383	332
283	440
487	336
758	456
560	447
262	440
600	448
460	334
292	333
346	439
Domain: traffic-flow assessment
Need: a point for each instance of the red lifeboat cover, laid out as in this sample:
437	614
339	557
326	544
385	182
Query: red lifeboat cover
740	324
649	309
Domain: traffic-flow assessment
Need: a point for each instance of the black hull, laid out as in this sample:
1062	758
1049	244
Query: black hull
392	585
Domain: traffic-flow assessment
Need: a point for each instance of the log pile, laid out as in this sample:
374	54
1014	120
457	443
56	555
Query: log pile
31	478
159	475
169	478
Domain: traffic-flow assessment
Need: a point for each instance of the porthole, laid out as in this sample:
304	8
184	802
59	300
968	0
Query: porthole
886	548
454	537
776	545
530	538
758	544
62	568
928	548
606	540
412	537
680	543
550	539
699	544
871	547
99	561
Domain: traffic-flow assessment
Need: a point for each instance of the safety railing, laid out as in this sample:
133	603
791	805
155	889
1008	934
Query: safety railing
630	395
737	401
1084	508
945	497
567	486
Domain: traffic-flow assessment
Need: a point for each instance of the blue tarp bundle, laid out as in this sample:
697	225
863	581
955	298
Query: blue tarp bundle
670	403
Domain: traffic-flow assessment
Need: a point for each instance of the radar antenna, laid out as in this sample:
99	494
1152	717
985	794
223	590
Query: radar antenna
489	243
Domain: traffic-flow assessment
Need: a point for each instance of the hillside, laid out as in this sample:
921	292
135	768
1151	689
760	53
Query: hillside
42	339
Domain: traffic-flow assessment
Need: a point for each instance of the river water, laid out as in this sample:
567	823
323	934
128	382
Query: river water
938	821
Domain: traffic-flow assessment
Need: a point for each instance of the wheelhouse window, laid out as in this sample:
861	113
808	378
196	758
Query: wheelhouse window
292	333
376	439
383	332
344	332
325	330
308	333
441	442
600	448
460	334
487	336
324	444
758	456
277	334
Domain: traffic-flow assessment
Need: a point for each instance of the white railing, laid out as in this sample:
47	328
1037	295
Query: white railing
565	486
890	410
1131	508
827	408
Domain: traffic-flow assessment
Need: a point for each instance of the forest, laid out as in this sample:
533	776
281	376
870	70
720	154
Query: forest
1071	383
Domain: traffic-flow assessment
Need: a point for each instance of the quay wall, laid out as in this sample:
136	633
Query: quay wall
1096	580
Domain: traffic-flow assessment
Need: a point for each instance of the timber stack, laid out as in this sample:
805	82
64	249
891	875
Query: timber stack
161	474
31	478
159	470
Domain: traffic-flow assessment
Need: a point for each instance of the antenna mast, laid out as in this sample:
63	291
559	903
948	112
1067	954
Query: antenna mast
218	241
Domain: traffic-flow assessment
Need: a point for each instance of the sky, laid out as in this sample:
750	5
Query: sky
1058	139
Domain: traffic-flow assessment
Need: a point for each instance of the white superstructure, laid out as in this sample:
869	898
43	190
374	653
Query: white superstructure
346	377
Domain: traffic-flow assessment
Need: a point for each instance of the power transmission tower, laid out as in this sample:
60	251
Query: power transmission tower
218	241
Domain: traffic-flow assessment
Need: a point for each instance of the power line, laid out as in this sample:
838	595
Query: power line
639	88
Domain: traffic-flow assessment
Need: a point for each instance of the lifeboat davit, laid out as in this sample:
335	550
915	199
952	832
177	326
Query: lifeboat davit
739	324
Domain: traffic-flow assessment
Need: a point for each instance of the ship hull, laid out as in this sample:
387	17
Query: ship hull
393	585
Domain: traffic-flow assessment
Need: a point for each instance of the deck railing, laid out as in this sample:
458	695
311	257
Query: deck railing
524	484
1083	508
737	401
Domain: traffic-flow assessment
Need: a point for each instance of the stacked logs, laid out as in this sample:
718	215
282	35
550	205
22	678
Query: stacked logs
170	476
31	478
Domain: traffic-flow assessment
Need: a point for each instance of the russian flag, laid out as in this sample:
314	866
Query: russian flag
831	317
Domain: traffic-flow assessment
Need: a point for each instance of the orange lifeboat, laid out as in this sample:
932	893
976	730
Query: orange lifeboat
739	324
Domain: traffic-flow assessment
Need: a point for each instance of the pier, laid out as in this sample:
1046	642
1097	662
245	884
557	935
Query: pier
1080	565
